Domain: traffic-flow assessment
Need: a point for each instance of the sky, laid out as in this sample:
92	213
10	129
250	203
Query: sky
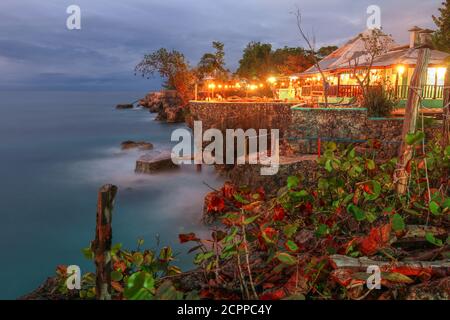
38	51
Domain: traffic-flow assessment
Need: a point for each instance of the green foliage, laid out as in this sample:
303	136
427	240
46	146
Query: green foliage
213	64
171	66
442	35
259	60
379	102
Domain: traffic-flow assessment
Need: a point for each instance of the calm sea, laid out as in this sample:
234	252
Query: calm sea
56	150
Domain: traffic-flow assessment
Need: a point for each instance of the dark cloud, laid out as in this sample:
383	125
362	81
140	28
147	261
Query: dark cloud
36	49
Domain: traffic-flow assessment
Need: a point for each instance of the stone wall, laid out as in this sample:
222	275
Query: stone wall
241	115
341	125
300	128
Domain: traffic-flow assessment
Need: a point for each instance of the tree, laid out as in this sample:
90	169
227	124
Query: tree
442	35
325	51
376	43
256	61
213	64
173	68
291	60
311	46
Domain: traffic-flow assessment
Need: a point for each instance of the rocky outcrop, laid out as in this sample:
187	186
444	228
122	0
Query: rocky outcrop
125	106
155	161
141	145
167	104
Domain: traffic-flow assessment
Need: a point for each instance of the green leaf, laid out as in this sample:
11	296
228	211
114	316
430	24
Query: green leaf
376	189
139	286
286	258
322	230
292	246
435	208
240	199
412	138
298	194
446	203
398	224
328	166
447	151
88	254
250	220
357	212
166	291
290	230
431	239
116	276
396	277
293	182
370	164
138	258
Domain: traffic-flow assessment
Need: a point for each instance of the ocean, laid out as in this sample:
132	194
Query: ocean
56	150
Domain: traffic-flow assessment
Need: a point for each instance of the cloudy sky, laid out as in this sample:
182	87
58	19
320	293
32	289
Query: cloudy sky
37	51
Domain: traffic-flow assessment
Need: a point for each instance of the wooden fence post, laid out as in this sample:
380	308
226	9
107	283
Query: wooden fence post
446	110
409	124
101	246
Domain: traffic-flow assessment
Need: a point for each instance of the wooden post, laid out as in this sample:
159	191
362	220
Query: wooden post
446	111
409	124
338	85
101	246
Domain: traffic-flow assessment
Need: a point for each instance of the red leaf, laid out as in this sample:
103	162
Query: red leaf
274	295
278	213
214	203
377	239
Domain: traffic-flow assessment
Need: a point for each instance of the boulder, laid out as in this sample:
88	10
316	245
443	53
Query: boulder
154	162
141	145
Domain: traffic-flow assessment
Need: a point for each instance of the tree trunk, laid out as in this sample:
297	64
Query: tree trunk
102	243
409	124
441	268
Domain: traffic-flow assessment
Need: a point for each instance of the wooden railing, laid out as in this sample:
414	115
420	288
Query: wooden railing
401	91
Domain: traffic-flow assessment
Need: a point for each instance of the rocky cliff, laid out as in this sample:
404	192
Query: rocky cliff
166	103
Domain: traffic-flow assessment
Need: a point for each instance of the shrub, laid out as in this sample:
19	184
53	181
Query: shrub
379	102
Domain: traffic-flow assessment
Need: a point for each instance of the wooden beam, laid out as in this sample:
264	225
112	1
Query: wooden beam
411	112
446	111
101	246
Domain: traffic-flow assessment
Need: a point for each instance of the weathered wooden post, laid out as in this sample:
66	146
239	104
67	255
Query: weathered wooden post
411	112
101	246
446	110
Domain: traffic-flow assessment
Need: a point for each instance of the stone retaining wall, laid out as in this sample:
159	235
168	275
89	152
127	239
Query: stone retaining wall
241	115
299	127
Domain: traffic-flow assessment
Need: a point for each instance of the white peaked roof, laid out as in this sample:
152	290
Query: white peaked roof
340	58
352	49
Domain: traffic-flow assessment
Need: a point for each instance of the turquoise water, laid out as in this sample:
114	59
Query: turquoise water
56	150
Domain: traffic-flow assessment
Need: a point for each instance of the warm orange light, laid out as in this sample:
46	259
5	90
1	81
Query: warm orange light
261	85
441	72
220	86
401	69
272	80
237	85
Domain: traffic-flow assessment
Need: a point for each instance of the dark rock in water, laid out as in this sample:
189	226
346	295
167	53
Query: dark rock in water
154	162
167	104
124	106
141	145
